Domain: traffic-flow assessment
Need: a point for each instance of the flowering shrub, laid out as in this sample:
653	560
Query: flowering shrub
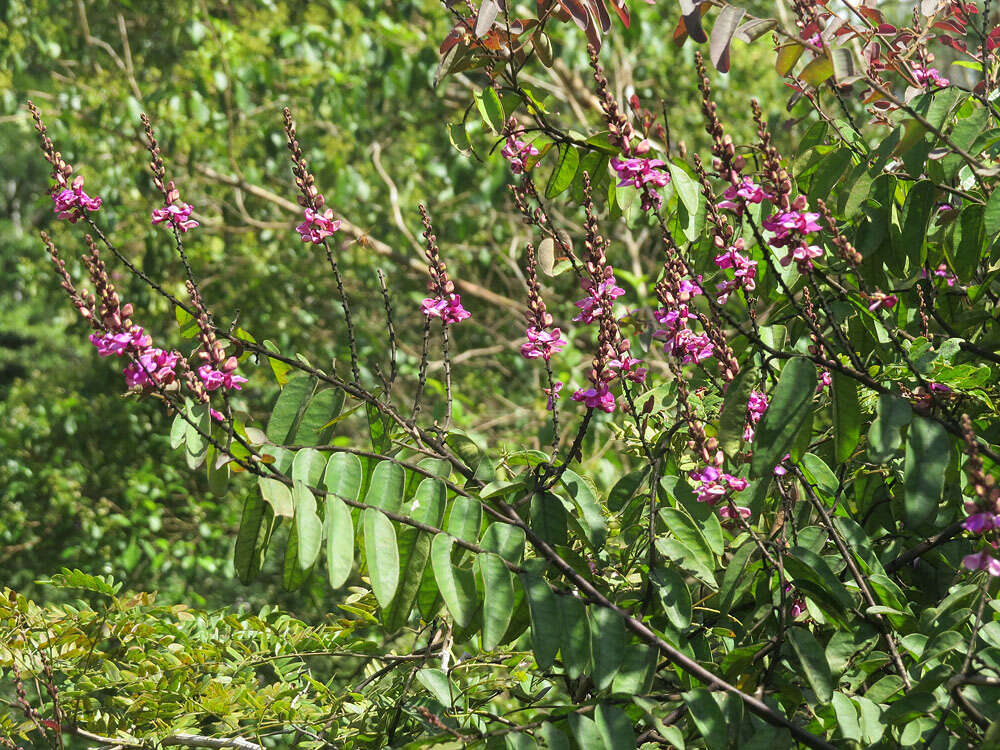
801	544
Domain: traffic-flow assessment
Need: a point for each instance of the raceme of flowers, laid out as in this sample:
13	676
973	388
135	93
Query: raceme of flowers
639	172
178	216
542	343
71	202
317	226
449	309
517	152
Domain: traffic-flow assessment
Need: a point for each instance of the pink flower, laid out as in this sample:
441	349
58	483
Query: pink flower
714	486
803	255
884	301
154	367
449	310
942	272
119	343
542	343
982	561
980	523
748	190
71	202
787	224
780	470
179	216
517	153
625	364
741	511
798	607
600	296
317	227
596	398
215	379
216	415
553	394
638	172
930	76
825	381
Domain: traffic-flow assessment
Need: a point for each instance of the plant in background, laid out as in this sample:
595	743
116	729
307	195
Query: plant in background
801	543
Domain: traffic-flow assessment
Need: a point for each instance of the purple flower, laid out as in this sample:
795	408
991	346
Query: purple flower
517	153
625	364
741	511
980	523
930	76
216	415
154	367
748	190
553	394
450	310
803	255
825	381
982	561
71	202
596	398
638	172
179	216
317	227
215	379
787	224
118	344
884	301
542	343
600	296
714	485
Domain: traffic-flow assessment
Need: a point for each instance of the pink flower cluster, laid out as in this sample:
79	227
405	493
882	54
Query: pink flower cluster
542	343
748	190
318	226
878	300
942	272
714	486
681	341
982	522
596	398
600	297
71	202
790	229
449	309
756	406
744	271
639	172
517	153
929	77
626	365
178	216
553	395
153	367
225	377
118	344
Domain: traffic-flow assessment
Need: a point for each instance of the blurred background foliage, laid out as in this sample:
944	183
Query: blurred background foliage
87	478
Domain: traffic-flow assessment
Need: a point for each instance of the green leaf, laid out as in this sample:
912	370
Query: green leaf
288	409
626	488
819	474
813	660
548	518
733	418
491	109
292	574
969	242
615	728
308	525
343	476
707	717
683	527
787	57
675	598
505	540
913	226
465	519
928	450
687	559
498	599
847	717
590	509
307	467
198	426
315	426
817	71
553	737
885	433
427	506
687	188
607	645
575	645
178	432
789	408
546	619
248	553
457	585
991	216
439	685
381	556
339	541
385	490
846	416
829	172
277	495
806	567
564	172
